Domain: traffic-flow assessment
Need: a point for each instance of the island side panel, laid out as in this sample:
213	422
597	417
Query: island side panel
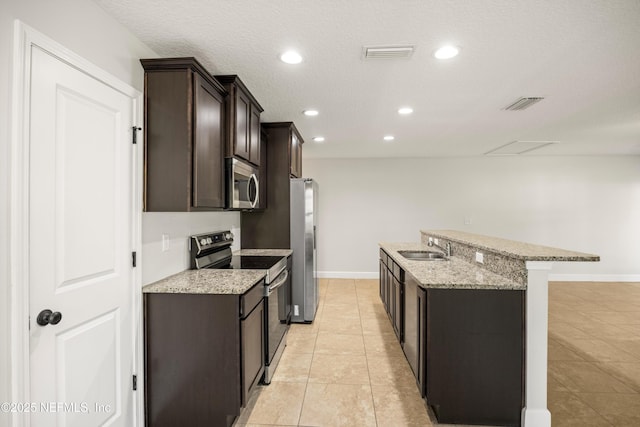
475	355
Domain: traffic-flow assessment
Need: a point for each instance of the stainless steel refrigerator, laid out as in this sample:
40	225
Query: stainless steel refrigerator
304	216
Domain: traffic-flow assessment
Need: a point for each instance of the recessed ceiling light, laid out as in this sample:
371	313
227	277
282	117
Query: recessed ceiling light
405	110
446	52
318	139
291	57
389	138
310	113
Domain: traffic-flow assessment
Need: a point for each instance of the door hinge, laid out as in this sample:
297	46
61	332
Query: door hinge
135	382
133	258
135	134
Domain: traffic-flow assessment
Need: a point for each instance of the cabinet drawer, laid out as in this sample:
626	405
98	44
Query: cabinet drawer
398	272
384	257
251	298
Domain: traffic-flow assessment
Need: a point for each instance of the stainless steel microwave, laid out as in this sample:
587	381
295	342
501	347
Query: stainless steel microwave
242	184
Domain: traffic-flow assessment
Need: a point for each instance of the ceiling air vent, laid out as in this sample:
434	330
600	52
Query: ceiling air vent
388	52
523	103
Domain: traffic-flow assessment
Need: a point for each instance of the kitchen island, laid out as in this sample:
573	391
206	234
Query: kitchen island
475	333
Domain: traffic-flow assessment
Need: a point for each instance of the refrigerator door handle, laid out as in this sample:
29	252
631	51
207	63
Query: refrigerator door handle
314	237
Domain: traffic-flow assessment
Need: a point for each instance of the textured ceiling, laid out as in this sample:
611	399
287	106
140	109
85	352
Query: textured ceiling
582	56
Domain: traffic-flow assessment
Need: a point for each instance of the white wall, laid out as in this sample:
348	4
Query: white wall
84	28
156	263
588	204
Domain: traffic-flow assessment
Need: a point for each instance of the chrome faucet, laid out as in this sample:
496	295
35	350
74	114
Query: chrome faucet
446	250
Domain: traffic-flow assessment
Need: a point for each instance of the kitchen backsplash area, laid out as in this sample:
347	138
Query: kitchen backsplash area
165	239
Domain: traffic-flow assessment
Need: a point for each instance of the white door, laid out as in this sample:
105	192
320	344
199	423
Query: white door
80	240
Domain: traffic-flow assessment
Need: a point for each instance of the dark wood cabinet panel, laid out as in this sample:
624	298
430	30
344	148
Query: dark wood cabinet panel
183	137
465	346
270	227
208	159
392	292
411	342
255	146
202	356
296	155
243	121
398	308
475	356
252	333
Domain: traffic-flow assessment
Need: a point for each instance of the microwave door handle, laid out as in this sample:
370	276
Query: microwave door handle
253	202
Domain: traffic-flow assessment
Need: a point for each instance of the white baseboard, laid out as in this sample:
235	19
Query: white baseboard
594	277
348	274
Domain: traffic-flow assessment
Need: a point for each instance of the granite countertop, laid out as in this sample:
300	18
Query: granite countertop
452	274
512	248
207	281
264	252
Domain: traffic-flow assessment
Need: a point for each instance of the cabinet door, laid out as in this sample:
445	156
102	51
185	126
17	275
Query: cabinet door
383	280
390	301
422	341
208	151
242	145
254	135
411	323
252	352
398	308
296	156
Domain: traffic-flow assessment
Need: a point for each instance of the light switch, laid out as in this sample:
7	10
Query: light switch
165	242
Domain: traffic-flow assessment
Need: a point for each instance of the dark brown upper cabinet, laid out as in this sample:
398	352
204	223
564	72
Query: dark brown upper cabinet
269	227
243	120
184	118
296	154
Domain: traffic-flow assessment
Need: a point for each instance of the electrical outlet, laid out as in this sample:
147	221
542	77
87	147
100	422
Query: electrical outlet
296	310
430	239
435	241
166	242
480	257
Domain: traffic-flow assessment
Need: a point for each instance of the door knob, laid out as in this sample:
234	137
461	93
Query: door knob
49	317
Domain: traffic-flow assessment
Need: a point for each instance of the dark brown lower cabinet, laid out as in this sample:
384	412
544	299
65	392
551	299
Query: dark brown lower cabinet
203	354
414	344
475	356
398	305
465	346
392	291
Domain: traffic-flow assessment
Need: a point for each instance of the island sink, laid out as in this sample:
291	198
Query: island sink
423	255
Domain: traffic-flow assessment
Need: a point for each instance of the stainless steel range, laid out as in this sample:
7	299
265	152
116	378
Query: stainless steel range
213	250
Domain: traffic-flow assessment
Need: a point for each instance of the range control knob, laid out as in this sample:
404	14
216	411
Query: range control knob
209	240
203	242
228	236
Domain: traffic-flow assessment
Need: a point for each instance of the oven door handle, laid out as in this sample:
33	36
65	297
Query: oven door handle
281	282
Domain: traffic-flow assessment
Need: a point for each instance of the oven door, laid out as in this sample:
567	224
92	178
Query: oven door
278	313
242	184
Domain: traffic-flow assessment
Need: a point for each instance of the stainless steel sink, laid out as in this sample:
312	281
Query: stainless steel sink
423	255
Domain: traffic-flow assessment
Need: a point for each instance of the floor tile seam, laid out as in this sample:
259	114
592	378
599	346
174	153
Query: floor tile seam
580	352
373	401
577	396
630	382
633	355
304	397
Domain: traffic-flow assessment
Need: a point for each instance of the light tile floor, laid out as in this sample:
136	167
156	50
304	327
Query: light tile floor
594	354
347	368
